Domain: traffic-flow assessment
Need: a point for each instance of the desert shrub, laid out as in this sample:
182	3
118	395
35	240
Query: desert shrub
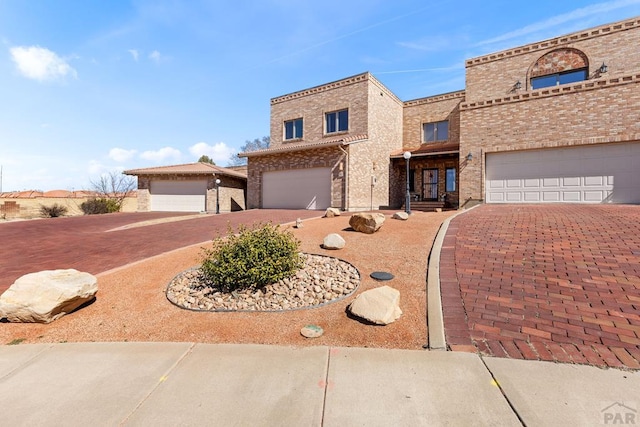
251	258
100	206
53	211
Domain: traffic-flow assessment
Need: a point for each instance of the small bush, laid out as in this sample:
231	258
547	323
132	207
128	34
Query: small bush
100	206
53	211
251	258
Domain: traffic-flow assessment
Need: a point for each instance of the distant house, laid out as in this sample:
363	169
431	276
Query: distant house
552	121
190	187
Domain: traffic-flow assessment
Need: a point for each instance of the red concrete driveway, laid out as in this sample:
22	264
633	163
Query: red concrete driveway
85	243
547	282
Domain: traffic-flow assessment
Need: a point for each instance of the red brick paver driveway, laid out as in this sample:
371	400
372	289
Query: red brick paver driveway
548	282
85	243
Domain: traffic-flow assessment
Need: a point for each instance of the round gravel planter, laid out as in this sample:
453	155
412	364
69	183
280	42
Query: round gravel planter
322	280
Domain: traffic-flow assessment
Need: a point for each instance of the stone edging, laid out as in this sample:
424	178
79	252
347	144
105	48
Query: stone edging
435	318
311	306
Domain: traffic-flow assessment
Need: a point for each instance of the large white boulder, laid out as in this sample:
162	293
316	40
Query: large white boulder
366	222
401	215
45	296
331	212
380	305
333	241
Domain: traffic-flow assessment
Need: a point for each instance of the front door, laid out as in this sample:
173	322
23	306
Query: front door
430	184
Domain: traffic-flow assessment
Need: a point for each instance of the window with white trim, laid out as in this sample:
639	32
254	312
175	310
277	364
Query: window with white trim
337	121
293	129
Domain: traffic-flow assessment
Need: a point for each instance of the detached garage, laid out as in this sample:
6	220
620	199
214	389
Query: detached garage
297	189
606	173
191	187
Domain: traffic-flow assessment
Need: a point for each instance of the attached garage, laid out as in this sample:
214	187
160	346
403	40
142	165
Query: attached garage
179	196
606	173
297	189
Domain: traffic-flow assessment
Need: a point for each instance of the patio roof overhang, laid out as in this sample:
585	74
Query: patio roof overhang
430	150
314	145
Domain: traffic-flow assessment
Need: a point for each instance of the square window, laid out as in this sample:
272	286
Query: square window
293	129
337	121
436	131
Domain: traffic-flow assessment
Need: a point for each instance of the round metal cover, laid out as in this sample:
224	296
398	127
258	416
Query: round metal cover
381	275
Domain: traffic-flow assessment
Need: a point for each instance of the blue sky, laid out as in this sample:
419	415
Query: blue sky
91	86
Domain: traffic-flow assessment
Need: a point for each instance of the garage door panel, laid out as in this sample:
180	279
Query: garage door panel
585	174
178	196
297	189
532	196
550	196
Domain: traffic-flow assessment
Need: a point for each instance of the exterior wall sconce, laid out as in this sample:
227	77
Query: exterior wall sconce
407	208
516	87
603	68
469	157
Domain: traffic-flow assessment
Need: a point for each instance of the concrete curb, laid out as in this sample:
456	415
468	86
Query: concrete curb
435	318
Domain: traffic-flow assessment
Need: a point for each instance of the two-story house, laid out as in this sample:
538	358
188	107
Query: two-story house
330	146
553	121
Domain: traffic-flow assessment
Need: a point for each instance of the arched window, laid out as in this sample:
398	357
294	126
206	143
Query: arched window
559	67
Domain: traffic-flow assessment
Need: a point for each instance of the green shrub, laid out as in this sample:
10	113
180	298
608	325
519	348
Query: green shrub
53	211
251	258
100	206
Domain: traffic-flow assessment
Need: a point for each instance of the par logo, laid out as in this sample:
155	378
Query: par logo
619	414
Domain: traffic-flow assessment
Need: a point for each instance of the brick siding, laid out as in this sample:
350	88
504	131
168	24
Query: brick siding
603	109
373	111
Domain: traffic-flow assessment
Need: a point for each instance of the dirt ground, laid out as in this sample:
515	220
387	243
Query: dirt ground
131	303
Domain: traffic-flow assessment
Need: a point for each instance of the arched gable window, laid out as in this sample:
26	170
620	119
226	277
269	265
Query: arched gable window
559	67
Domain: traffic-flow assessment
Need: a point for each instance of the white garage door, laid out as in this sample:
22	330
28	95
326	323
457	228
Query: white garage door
297	189
586	174
178	196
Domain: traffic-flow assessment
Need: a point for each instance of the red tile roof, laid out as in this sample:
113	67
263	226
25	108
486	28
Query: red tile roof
199	168
301	146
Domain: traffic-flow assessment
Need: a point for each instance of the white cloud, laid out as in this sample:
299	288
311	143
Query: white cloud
96	168
161	155
40	64
155	56
121	155
430	44
561	20
219	152
134	53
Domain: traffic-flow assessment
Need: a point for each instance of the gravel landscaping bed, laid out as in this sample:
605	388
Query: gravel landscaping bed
322	280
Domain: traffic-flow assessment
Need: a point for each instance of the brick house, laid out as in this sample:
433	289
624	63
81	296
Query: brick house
559	121
330	146
190	187
553	121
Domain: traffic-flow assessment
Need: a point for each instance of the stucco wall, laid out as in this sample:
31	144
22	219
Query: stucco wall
14	208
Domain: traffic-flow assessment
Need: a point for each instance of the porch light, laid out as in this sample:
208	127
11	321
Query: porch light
603	68
469	157
407	208
217	196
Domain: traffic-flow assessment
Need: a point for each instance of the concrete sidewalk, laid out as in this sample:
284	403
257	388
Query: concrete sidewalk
211	384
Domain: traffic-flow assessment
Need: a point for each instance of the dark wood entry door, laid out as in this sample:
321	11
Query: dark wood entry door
430	184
